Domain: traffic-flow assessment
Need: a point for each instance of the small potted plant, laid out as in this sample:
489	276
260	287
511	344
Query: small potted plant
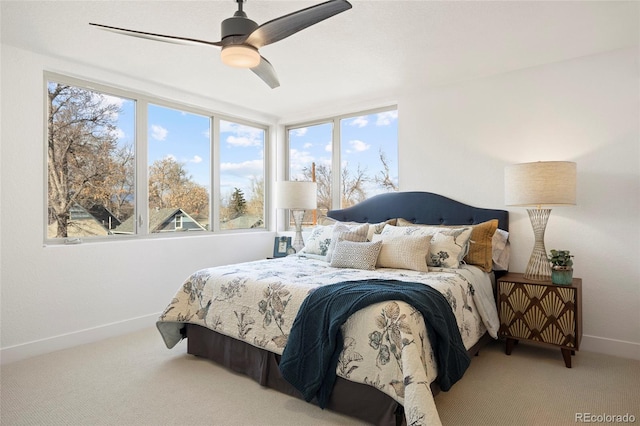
561	267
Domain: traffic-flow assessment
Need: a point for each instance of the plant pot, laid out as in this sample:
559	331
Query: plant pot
562	276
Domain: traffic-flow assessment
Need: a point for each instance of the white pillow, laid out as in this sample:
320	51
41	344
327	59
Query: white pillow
351	254
403	252
342	231
374	228
318	242
501	250
448	246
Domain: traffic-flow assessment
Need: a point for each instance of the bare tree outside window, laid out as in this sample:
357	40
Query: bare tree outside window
90	162
368	157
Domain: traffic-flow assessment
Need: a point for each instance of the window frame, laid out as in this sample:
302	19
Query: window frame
336	160
141	172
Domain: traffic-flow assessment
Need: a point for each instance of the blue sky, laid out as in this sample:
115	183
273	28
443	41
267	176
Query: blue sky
181	136
362	139
185	137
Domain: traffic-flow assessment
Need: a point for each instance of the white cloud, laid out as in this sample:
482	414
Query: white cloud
300	132
196	159
119	133
243	169
207	133
359	121
385	118
359	146
158	133
307	145
328	147
243	141
242	135
227	126
112	100
105	101
300	159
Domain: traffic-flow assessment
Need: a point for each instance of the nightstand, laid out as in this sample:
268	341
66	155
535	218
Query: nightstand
540	312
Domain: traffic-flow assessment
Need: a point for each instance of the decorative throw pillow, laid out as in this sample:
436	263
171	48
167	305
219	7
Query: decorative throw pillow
350	254
318	242
404	252
481	246
480	242
443	252
501	249
374	228
342	231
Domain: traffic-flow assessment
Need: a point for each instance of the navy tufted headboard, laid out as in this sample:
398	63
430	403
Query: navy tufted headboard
418	207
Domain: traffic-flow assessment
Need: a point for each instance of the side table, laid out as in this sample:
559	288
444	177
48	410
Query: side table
540	312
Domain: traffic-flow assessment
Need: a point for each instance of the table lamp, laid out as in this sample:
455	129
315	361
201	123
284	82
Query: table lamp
297	196
543	183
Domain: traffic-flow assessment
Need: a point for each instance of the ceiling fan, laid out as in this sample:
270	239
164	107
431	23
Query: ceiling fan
242	37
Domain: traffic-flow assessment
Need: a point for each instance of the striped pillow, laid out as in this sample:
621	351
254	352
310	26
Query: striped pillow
341	231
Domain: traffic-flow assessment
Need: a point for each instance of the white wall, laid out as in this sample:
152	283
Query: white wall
456	140
58	296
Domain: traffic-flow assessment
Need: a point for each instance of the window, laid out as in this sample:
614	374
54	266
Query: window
121	163
90	161
241	176
363	147
179	153
310	159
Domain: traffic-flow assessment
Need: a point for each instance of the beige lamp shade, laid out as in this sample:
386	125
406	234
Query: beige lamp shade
296	195
549	183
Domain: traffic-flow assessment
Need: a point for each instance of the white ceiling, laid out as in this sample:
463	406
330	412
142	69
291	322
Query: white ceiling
376	49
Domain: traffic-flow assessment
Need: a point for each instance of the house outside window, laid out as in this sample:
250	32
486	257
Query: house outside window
362	147
122	163
179	163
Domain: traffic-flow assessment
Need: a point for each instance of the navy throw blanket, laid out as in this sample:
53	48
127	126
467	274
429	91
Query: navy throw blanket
311	355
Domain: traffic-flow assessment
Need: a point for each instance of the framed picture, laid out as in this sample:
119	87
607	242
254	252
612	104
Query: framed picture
281	246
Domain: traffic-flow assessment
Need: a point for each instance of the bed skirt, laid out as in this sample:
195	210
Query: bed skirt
353	399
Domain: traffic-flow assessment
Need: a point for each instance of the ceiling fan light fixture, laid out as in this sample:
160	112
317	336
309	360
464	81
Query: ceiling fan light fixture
240	56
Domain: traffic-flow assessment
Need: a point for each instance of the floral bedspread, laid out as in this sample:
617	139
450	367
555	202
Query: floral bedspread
385	345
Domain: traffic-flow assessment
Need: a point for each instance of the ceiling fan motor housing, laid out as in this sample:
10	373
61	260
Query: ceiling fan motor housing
237	26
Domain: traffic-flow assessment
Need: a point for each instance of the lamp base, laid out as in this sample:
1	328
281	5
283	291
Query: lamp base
538	268
298	242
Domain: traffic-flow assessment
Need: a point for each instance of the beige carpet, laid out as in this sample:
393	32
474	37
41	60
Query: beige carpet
135	380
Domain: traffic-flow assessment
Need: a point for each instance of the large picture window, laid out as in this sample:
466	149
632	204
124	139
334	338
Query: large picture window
119	163
363	147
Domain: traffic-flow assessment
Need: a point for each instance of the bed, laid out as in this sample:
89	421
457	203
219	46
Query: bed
241	316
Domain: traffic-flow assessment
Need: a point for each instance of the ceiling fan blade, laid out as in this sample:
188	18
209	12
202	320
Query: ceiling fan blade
157	37
286	25
266	72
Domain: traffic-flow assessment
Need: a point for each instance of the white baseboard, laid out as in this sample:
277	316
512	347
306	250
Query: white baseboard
64	341
613	347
